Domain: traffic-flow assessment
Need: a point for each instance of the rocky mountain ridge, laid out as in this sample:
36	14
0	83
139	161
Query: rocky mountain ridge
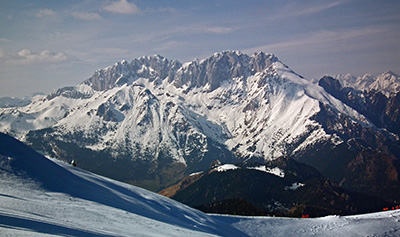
387	83
152	121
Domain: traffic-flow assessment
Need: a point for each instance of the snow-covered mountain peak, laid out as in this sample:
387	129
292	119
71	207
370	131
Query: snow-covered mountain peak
390	74
209	72
155	111
227	53
151	67
154	57
212	72
346	80
260	61
387	83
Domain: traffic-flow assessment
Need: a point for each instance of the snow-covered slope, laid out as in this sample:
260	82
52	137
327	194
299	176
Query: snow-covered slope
375	224
45	196
42	197
154	109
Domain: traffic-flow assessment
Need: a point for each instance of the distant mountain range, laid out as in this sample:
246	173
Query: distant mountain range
153	121
7	102
387	83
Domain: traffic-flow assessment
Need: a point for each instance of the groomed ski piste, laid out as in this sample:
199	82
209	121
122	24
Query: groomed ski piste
45	197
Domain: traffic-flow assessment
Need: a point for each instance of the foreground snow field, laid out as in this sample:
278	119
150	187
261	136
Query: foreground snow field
40	197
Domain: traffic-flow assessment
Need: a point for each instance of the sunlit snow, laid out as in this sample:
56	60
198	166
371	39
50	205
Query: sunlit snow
41	197
294	186
226	167
275	171
258	115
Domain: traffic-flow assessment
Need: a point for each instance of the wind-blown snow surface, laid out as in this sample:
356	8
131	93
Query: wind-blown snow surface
40	197
375	224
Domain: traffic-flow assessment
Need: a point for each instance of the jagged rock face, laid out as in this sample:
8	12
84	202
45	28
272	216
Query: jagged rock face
164	119
259	62
68	92
332	86
383	111
212	72
369	160
146	67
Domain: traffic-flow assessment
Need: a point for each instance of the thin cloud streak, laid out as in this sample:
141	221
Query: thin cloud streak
218	30
86	16
122	7
317	9
321	37
160	10
299	10
4	40
27	56
45	13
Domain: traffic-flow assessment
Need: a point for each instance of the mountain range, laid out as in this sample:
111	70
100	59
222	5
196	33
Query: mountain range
153	121
7	102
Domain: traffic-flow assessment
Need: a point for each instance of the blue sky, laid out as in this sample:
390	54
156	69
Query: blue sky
45	45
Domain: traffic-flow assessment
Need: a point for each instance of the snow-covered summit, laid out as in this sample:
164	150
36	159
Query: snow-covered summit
153	110
209	72
151	67
387	82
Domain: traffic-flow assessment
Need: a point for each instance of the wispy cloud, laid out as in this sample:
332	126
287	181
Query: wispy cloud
219	30
86	16
299	9
45	13
165	9
159	10
318	38
122	7
27	56
4	40
317	8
